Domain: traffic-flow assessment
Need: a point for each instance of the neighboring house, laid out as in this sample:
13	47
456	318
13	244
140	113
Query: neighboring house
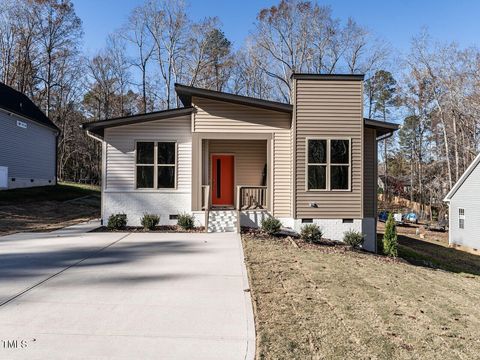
397	186
464	210
224	156
28	142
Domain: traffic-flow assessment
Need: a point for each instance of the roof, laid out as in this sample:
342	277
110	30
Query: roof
185	94
18	103
98	127
302	76
463	178
383	128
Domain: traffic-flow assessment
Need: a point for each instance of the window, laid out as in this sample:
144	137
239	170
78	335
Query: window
328	164
461	218
155	165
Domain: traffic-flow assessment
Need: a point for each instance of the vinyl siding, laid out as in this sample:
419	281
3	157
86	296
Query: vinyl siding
250	158
468	198
329	109
222	117
120	151
369	173
28	153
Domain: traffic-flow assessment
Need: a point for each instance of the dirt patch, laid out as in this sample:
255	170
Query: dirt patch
314	303
45	215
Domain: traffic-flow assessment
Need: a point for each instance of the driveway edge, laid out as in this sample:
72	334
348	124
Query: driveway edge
251	349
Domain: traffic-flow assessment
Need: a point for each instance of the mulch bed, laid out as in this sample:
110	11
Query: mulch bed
158	229
326	246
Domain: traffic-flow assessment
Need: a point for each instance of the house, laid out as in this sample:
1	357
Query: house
28	142
464	210
232	160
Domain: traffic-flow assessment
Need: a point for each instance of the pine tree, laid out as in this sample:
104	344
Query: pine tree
390	243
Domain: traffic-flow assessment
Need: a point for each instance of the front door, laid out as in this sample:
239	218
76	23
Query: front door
222	180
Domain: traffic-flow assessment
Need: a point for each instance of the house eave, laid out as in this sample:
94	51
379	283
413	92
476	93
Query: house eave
98	127
328	77
185	93
384	129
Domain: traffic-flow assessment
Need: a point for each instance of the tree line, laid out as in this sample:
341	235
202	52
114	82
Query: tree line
434	89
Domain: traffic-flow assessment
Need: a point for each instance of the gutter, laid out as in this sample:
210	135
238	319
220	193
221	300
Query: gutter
98	138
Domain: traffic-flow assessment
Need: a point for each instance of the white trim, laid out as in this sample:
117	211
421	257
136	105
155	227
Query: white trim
328	164
155	165
462	179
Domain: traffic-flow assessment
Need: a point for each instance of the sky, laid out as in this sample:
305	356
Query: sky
396	21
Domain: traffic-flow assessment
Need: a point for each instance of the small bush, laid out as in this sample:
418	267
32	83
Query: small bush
186	221
271	225
149	221
390	242
353	238
311	233
117	221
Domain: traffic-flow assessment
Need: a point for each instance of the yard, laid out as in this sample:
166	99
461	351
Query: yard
47	208
322	302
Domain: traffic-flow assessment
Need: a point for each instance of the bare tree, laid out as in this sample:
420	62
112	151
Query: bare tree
136	33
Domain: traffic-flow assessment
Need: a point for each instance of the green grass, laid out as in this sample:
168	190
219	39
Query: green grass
60	192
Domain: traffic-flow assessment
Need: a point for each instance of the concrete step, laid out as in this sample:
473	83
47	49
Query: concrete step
222	221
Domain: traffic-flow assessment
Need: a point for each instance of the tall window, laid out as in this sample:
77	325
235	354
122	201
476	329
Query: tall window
328	164
156	165
461	218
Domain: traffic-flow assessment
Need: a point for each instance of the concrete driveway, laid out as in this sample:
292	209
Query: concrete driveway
84	295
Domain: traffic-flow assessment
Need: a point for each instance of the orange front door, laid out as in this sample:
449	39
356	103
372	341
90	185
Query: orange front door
222	180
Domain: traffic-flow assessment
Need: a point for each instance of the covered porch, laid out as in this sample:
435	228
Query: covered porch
233	172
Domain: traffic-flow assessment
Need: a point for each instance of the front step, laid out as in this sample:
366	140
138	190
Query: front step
222	221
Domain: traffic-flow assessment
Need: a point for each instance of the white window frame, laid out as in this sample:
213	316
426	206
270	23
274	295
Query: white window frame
328	164
461	218
156	165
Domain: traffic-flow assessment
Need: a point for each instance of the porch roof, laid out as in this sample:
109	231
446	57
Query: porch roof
185	94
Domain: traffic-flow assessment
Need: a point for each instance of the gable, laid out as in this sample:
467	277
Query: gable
222	116
472	171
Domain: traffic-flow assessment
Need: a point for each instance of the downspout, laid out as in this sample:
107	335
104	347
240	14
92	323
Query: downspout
98	138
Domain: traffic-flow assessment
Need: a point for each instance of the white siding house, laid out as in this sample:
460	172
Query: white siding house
28	142
464	210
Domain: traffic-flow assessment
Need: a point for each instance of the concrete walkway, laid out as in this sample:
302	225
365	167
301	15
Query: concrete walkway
76	295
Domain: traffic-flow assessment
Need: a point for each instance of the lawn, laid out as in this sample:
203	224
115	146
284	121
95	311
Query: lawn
331	303
48	207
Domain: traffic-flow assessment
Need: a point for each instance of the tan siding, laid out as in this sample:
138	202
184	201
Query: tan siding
218	116
370	173
250	158
329	109
282	181
120	157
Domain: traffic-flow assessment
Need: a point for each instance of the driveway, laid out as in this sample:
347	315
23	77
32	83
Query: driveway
124	296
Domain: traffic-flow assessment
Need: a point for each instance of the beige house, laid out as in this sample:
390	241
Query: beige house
232	160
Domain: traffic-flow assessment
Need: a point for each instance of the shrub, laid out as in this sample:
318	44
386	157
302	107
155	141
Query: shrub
271	225
149	221
390	243
117	221
353	238
186	221
311	233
